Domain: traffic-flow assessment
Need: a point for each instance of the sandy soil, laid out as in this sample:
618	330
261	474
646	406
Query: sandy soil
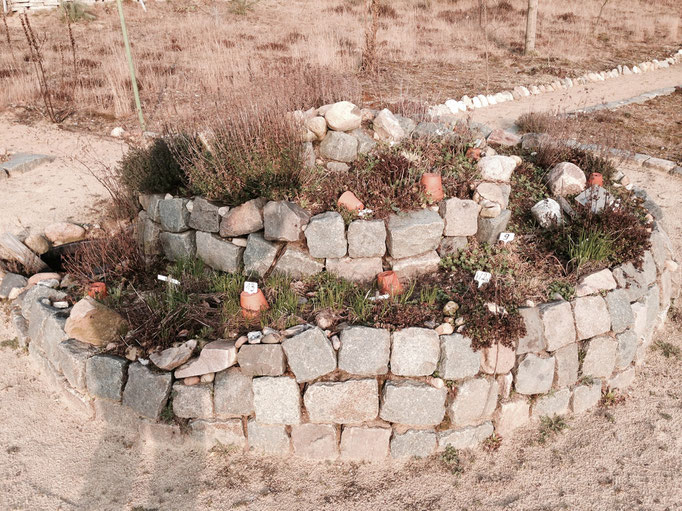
63	190
624	457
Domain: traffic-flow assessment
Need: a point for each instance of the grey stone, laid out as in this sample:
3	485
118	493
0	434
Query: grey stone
596	198
276	400
71	358
557	324
270	439
150	203
489	229
458	360
174	215
660	248
218	433
567	365
413	443
179	246
347	402
586	396
20	163
218	253
151	238
243	219
339	146
297	263
104	375
11	281
415	352
600	358
356	270
547	213
452	245
213	357
262	360
566	179
146	391
627	347
512	415
465	438
496	168
365	142
622	379
49	333
475	400
411	267
314	441
414	233
591	317
364	351
364	443
460	217
652	302
413	403
534	340
259	254
431	130
192	402
204	216
636	281
553	404
534	375
407	124
284	221
620	310
326	236
20	327
310	355
367	238
232	393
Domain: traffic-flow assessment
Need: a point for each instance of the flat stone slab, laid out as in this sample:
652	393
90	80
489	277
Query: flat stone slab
24	162
413	403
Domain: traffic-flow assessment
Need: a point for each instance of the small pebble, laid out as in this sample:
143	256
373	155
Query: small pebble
254	337
143	361
459	321
271	339
444	329
336	342
450	308
60	305
241	341
207	378
437	383
192	380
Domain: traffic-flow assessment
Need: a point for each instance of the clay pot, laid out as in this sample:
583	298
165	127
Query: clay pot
473	153
595	179
349	201
389	283
252	304
433	186
97	290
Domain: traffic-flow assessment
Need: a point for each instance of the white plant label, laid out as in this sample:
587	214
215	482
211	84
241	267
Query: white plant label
250	288
506	237
482	277
170	280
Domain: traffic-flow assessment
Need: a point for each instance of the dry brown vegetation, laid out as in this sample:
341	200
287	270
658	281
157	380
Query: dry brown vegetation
196	55
643	128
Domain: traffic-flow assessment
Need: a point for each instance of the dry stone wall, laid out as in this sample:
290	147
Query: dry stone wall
405	393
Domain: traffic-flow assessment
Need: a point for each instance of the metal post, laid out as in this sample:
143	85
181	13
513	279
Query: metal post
131	66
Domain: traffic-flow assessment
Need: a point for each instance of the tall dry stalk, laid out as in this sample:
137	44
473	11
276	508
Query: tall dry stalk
369	51
9	39
37	59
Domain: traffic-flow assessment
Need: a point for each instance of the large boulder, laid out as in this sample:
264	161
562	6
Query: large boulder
284	221
566	178
343	116
414	233
326	236
243	219
387	126
339	146
94	323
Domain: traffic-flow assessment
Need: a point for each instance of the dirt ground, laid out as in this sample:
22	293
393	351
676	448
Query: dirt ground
52	456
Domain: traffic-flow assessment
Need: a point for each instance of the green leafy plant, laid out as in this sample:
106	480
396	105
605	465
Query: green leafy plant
242	7
550	426
563	288
451	460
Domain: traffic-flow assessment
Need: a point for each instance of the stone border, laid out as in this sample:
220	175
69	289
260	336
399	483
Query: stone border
453	107
377	394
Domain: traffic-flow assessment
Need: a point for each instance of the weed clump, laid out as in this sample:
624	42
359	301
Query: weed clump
152	169
450	459
550	426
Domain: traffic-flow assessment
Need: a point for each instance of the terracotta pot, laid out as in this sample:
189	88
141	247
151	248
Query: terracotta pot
252	304
97	290
473	153
389	283
595	179
349	201
433	186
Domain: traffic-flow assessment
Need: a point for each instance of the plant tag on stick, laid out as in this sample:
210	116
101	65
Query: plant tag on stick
482	277
250	288
506	237
170	280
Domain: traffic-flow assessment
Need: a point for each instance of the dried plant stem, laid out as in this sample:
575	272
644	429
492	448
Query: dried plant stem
37	59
